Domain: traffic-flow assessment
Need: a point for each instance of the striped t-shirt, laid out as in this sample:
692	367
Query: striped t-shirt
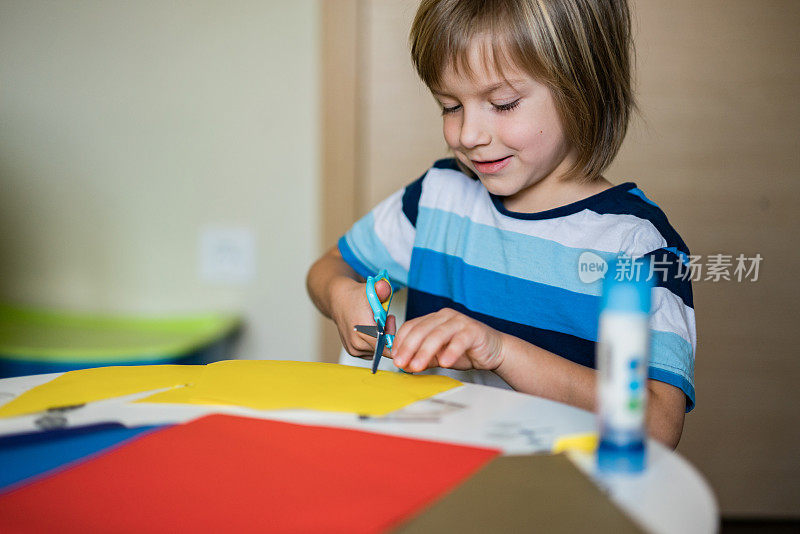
454	245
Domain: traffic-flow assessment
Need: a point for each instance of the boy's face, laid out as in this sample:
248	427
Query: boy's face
507	130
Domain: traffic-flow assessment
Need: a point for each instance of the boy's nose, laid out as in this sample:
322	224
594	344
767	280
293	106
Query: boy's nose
473	131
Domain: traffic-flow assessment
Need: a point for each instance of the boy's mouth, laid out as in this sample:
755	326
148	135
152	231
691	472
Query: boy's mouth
491	166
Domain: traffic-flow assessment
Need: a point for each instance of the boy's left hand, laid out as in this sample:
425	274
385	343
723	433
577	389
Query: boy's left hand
447	338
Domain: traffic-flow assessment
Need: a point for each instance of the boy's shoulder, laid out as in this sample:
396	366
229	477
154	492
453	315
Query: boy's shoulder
653	225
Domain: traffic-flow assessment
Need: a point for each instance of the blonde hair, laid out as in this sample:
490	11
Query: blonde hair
580	49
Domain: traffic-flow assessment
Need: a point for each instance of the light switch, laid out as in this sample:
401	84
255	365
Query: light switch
227	255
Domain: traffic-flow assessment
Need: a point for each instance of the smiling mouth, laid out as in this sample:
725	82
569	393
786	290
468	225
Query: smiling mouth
488	161
491	166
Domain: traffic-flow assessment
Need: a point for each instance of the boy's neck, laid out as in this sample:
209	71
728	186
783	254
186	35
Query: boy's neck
551	194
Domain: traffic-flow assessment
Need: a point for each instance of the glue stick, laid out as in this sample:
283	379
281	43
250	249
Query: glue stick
623	349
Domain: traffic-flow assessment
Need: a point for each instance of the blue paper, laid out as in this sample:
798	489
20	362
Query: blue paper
28	455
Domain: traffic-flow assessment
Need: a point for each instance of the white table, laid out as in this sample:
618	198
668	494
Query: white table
670	497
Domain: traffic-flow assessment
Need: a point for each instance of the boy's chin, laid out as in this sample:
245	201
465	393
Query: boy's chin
497	187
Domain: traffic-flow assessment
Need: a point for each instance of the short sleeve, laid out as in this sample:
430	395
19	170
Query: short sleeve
673	335
384	237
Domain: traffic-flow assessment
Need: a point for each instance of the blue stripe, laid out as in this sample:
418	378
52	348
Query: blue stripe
668	349
639	193
350	258
674	380
369	253
411	199
573	348
611	201
668	276
681	254
505	252
505	297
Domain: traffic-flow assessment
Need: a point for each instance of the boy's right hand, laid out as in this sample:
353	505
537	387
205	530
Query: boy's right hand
351	308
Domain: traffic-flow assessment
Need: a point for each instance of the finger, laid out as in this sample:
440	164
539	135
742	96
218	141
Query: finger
411	335
362	345
421	325
404	329
383	289
454	351
358	353
391	328
435	343
368	350
421	361
391	325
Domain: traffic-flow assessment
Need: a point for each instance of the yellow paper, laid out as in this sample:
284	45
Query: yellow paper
277	385
576	442
87	385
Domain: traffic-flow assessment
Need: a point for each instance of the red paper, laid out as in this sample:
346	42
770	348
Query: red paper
234	474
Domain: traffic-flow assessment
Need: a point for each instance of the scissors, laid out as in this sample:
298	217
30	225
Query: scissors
380	311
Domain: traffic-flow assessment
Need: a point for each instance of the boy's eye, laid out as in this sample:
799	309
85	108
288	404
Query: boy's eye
452	109
506	107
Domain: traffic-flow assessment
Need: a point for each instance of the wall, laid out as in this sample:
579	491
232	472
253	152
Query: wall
126	128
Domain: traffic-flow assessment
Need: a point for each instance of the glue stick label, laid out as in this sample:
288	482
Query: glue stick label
623	340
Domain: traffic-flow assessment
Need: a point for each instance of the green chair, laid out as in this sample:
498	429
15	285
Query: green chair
38	341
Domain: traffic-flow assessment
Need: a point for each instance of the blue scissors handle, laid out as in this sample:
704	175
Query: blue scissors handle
380	310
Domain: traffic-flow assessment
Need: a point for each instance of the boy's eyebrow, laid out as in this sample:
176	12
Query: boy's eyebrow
488	89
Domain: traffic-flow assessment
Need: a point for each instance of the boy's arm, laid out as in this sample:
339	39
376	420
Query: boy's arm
531	369
447	338
339	293
327	277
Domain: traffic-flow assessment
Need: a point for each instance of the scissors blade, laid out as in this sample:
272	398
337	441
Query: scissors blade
370	330
379	344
